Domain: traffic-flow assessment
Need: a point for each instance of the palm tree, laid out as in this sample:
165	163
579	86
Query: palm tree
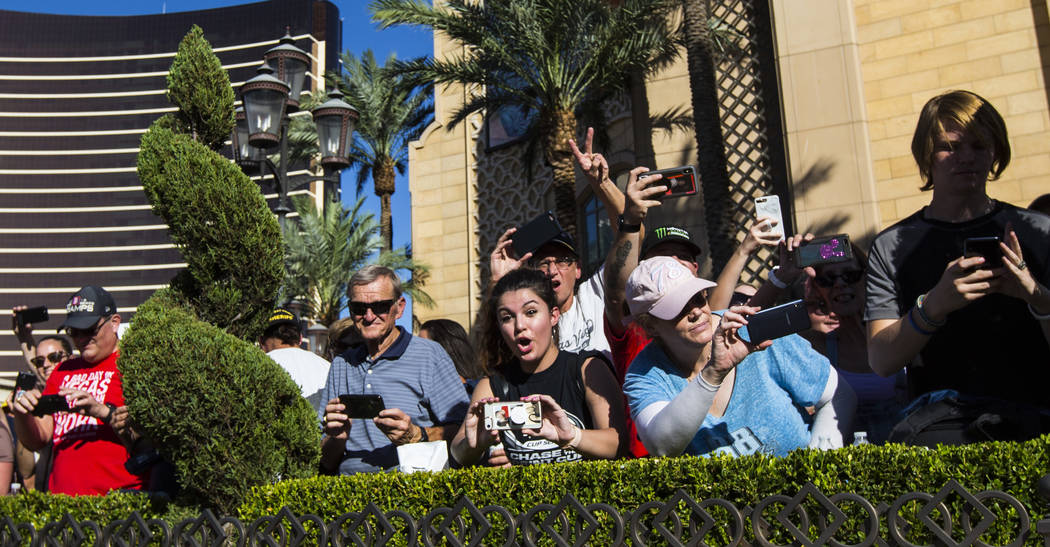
698	34
393	113
323	249
555	59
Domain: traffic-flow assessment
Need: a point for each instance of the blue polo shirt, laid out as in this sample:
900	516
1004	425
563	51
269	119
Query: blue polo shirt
414	375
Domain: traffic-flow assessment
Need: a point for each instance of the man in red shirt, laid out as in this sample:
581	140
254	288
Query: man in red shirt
88	454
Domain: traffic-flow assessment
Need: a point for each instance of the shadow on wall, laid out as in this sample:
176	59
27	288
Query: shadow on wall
816	175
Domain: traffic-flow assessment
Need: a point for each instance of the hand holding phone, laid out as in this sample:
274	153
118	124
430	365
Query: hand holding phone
535	233
31	316
775	322
50	404
988	247
362	406
25	381
769	207
824	250
680	181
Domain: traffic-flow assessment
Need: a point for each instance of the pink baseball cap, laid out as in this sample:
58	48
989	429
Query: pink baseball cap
662	286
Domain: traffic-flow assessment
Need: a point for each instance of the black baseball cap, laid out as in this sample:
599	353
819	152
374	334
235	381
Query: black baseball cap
565	240
664	234
282	316
87	306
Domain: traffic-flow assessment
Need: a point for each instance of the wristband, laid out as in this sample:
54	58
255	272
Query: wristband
776	280
423	437
1037	315
708	386
922	314
576	437
915	325
109	417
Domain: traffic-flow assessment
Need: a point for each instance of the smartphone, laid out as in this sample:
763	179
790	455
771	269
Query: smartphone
33	315
680	181
362	406
50	404
775	322
824	250
535	233
769	207
25	381
988	247
513	415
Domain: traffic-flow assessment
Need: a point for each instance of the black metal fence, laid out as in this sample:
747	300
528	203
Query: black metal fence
951	516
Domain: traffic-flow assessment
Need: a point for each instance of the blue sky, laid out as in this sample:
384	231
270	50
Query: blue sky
359	34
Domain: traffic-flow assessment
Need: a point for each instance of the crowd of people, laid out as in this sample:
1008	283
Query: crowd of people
642	358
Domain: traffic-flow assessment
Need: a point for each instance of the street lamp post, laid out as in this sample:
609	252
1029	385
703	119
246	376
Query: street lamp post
262	124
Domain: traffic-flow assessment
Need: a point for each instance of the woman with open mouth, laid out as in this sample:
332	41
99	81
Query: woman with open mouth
580	403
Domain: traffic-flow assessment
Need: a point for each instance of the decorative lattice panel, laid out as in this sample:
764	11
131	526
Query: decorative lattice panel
749	95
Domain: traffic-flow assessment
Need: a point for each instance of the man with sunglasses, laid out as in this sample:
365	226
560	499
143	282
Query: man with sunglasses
87	454
421	390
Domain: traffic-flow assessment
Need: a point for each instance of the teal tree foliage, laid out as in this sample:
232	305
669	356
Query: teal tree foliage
222	412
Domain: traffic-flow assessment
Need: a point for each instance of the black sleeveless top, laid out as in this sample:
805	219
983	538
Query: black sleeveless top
562	381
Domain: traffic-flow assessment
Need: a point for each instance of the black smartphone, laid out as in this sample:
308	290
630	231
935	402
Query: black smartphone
533	234
25	381
680	181
988	247
362	406
33	315
824	250
50	404
775	322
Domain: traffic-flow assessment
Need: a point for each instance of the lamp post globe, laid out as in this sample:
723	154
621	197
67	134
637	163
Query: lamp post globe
289	65
335	121
264	99
244	154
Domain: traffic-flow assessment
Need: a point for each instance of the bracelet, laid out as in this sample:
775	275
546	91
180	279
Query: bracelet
922	314
708	386
776	280
1037	315
915	325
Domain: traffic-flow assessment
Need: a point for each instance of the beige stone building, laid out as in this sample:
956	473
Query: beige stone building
851	77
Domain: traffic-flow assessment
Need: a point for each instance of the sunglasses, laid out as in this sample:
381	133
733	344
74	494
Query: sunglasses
848	277
55	357
379	307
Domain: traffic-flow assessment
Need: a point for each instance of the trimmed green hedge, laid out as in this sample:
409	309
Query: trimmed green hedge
879	474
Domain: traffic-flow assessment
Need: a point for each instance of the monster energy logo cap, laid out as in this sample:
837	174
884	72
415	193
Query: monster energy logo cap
665	234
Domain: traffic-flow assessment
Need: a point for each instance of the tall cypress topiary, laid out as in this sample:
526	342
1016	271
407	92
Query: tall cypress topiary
219	409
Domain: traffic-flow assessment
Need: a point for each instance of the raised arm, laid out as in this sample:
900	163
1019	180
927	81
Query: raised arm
596	168
761	233
627	247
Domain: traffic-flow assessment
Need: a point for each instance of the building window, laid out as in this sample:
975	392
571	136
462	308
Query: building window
595	234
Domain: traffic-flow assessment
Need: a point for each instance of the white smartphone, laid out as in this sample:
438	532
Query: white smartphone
769	207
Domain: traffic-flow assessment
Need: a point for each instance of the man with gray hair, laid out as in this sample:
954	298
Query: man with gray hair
423	396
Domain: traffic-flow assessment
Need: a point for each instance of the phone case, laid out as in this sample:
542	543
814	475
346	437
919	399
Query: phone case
824	250
50	404
38	314
535	233
769	207
25	381
988	247
775	322
680	181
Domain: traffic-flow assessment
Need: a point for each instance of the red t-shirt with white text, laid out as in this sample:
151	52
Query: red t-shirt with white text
88	456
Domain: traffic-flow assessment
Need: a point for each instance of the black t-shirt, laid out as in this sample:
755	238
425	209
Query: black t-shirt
991	347
563	382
